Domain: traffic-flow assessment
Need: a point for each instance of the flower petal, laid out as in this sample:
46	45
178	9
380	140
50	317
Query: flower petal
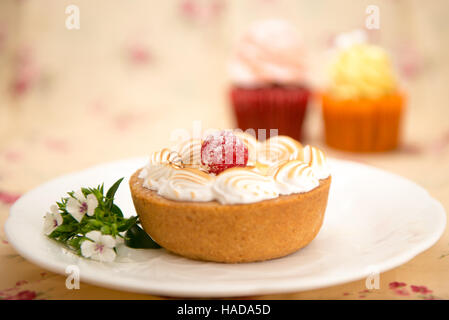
119	241
87	248
108	255
94	235
108	241
92	204
57	216
54	209
73	207
49	224
79	195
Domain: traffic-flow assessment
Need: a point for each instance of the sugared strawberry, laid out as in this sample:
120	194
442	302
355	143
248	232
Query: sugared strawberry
223	150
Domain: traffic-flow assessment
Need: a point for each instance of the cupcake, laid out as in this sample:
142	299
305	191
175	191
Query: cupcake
226	207
362	107
269	87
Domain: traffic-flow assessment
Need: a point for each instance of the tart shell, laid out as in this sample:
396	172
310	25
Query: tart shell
211	231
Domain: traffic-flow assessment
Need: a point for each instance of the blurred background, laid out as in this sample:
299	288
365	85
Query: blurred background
136	70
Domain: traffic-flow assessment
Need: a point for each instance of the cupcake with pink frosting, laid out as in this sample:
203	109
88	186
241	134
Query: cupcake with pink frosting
269	86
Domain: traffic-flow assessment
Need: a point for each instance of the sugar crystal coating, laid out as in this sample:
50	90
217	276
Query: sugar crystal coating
223	150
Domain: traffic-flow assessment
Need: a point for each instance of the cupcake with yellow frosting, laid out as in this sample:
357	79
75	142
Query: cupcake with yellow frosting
363	106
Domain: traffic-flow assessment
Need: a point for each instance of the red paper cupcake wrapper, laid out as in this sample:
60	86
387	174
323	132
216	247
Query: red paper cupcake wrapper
268	108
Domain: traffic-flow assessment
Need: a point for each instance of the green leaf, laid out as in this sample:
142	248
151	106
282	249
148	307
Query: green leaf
90	225
105	230
112	190
98	194
85	191
76	242
67	228
98	213
137	238
116	210
94	223
127	223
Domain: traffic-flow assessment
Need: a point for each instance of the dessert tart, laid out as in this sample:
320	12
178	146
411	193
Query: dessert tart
231	198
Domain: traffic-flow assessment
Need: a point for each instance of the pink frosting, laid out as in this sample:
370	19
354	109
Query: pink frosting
271	51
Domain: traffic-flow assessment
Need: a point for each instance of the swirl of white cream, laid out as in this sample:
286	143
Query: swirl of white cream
315	158
251	143
188	184
293	176
279	148
240	185
190	152
271	51
165	156
161	166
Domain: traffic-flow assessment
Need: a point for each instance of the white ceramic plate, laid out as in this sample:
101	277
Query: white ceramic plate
375	221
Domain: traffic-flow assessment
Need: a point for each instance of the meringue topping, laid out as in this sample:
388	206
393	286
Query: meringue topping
190	152
279	166
279	148
293	177
315	158
165	156
240	185
161	166
188	184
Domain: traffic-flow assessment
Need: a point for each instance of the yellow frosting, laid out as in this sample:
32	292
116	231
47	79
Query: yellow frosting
362	71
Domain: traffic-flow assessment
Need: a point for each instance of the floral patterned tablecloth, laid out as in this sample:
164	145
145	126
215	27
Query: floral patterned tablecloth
119	85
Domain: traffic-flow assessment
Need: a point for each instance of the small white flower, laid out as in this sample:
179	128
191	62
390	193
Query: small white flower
53	219
80	205
100	248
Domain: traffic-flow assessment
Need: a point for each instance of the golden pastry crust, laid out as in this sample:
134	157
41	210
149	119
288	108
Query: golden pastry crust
251	232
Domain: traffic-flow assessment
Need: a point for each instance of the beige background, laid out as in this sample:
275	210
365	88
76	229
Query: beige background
137	70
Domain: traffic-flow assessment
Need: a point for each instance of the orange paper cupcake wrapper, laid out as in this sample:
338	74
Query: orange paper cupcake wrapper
363	125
